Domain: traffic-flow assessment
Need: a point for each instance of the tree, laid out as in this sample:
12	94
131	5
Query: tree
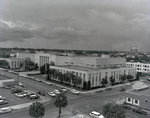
61	101
129	77
84	85
89	85
112	80
111	110
4	64
104	81
36	110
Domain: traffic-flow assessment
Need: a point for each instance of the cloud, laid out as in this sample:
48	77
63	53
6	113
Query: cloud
14	34
97	24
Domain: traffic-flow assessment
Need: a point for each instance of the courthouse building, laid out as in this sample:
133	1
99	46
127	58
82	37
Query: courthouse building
93	68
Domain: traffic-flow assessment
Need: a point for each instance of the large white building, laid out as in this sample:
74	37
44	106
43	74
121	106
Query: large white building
141	67
93	68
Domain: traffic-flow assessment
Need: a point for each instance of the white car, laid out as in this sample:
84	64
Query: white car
96	114
63	89
48	83
75	92
2	98
20	95
127	84
52	94
56	91
5	110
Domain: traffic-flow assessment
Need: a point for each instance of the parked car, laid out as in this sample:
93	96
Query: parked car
2	98
39	80
48	83
122	89
126	107
16	90
56	91
96	114
63	89
108	88
140	111
21	95
33	97
75	92
99	90
29	93
3	102
128	84
5	110
52	94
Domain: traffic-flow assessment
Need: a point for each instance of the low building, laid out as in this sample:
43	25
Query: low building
138	98
4	80
139	86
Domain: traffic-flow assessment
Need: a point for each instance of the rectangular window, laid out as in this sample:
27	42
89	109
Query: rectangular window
129	99
136	101
99	78
93	81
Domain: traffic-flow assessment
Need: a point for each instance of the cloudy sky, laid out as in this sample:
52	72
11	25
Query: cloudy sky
75	24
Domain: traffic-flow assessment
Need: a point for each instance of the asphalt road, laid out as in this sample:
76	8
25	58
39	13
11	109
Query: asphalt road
83	102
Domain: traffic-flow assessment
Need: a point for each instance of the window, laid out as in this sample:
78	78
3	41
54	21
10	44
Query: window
129	99
93	81
99	78
136	101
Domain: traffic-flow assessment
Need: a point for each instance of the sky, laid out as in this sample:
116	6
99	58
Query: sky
75	24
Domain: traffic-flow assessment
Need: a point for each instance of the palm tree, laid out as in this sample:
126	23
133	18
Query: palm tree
37	110
112	80
78	81
61	101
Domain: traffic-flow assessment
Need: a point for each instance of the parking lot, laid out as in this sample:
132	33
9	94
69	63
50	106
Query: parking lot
12	98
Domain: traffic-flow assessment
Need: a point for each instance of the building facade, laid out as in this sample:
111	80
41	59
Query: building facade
140	100
96	75
39	58
141	67
13	62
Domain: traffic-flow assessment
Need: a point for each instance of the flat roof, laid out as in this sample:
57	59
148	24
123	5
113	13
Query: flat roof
87	68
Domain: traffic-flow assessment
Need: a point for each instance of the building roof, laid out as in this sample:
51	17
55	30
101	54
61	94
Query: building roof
82	68
139	86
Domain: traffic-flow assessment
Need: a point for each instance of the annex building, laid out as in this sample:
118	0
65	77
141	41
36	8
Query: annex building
141	67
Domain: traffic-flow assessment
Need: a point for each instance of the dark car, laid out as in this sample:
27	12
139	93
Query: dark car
16	90
140	111
122	89
108	88
126	107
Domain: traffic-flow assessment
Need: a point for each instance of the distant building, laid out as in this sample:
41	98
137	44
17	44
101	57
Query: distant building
141	67
13	62
134	49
